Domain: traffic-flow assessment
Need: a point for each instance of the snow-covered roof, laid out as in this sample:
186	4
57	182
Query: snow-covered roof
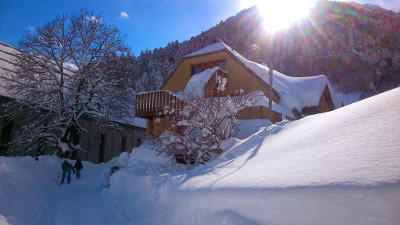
295	92
6	58
218	46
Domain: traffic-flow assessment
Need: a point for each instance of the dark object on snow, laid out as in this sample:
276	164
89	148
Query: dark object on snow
66	167
113	169
185	159
78	166
37	158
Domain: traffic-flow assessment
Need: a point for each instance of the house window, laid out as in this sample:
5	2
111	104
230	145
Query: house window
123	144
222	65
5	135
196	70
203	66
76	138
139	142
102	147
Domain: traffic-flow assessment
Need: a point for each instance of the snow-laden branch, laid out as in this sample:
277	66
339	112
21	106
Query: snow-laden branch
50	99
202	124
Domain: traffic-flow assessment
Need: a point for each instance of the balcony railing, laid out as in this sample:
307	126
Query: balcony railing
151	104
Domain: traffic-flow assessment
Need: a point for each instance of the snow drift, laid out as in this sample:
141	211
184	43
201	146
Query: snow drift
340	167
29	194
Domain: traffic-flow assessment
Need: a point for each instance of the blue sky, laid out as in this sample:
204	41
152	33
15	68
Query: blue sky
147	23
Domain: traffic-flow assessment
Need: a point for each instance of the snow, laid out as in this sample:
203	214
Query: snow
250	127
264	101
139	122
339	167
218	46
145	158
29	193
351	98
197	81
295	92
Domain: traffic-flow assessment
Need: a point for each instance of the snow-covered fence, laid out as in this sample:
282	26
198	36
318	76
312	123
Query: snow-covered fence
151	104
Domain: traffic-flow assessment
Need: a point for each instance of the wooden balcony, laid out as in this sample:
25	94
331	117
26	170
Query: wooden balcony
211	86
152	104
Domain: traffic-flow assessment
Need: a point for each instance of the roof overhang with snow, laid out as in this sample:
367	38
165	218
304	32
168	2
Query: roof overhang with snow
295	92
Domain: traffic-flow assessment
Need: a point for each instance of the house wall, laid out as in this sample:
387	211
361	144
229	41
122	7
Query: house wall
258	112
113	141
325	104
159	125
239	77
12	127
90	142
162	124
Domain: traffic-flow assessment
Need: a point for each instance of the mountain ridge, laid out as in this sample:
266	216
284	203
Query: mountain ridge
356	46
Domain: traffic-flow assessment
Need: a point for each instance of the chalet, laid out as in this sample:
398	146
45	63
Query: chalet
293	97
98	145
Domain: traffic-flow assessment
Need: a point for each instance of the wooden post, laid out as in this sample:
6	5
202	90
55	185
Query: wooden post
271	72
270	91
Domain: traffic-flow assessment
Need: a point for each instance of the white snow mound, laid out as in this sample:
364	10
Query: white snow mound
340	167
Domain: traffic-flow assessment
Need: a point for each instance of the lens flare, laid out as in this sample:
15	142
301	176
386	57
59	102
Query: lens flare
279	14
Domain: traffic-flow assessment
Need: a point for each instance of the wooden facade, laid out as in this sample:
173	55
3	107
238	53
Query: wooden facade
325	104
239	76
151	105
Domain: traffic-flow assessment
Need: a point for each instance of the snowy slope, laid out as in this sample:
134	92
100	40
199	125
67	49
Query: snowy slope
340	167
359	145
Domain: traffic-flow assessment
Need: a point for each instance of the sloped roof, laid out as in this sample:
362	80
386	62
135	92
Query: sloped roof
217	46
295	92
6	66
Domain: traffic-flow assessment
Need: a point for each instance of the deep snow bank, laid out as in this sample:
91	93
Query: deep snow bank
340	167
29	194
21	193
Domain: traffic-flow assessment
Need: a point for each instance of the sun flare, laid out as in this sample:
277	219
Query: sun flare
279	14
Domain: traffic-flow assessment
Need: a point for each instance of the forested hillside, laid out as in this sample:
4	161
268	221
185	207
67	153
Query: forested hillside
356	46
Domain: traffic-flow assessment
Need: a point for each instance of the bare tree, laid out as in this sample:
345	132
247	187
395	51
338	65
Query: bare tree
202	125
68	69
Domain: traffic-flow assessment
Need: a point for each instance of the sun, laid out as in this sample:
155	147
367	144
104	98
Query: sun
279	14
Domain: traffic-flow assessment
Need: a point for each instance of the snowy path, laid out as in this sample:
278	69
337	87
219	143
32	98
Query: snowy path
33	187
83	201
